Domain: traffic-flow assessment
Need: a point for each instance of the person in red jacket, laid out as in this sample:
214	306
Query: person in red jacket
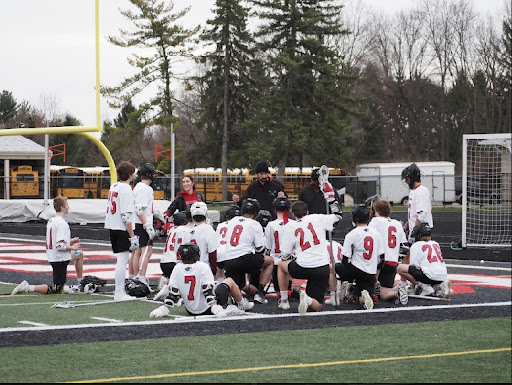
184	198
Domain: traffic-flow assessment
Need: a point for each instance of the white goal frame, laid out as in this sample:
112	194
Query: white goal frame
486	190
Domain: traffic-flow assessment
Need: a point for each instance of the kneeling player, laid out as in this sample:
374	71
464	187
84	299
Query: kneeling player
193	281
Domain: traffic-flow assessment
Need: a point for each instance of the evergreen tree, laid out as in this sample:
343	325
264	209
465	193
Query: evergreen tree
8	108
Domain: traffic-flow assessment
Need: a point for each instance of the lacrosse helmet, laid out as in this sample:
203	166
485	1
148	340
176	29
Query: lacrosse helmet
136	288
199	209
179	218
360	214
282	204
263	217
421	230
413	173
250	206
232	211
189	252
146	169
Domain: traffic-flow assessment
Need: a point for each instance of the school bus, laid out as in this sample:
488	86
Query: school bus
158	185
96	182
24	182
68	181
208	181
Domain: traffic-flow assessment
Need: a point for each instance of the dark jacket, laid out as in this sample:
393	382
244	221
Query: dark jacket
314	198
264	194
179	203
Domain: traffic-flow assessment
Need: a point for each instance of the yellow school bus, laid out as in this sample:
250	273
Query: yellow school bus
24	182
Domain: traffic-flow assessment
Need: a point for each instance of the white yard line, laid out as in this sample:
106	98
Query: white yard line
106	319
38	324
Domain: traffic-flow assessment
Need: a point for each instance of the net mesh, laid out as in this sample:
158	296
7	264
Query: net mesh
487	190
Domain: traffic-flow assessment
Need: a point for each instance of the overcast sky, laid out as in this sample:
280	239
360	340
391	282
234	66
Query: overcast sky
48	48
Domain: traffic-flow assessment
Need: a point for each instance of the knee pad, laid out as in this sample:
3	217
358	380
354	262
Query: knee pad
222	294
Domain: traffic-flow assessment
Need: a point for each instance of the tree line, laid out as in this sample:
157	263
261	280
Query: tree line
301	83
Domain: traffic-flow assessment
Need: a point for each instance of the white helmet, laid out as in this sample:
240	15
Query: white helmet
199	208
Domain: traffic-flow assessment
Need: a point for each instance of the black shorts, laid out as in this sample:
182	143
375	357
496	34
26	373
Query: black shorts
420	276
60	271
387	276
120	241
364	280
143	235
246	264
317	279
167	268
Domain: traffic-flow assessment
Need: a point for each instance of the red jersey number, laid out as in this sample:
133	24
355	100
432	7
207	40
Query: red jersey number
368	246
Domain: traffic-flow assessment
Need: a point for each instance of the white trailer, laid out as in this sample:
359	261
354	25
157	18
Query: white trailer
438	177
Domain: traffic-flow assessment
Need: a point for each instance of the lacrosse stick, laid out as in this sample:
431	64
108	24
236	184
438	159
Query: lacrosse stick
141	263
325	186
429	297
70	304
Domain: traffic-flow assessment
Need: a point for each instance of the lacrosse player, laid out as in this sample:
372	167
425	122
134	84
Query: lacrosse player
60	250
362	251
420	200
313	195
119	220
264	189
143	194
222	228
424	265
393	236
244	251
193	282
308	243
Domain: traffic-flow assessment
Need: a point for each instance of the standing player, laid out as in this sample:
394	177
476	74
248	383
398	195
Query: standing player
362	251
244	250
392	235
143	195
420	200
424	265
309	244
60	250
193	282
119	221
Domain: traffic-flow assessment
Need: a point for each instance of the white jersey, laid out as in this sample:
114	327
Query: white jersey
427	255
242	237
57	229
143	195
275	235
391	234
175	237
420	207
308	240
364	246
221	231
205	237
336	246
189	279
120	201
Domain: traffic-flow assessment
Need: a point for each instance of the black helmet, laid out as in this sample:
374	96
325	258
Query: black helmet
146	169
232	211
282	204
179	218
314	174
262	167
250	206
188	214
421	230
413	173
263	217
189	252
360	214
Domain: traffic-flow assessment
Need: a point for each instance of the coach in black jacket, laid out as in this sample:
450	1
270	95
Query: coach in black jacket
313	196
264	189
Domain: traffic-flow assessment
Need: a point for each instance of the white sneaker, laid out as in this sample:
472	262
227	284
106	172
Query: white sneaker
446	288
233	310
303	304
73	289
261	299
425	289
122	297
376	289
330	301
244	304
283	304
22	288
401	296
367	300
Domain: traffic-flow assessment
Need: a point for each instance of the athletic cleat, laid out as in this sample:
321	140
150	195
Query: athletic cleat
424	289
367	300
401	296
295	293
244	304
331	301
260	299
233	310
22	288
73	289
283	304
376	289
123	297
446	288
303	304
